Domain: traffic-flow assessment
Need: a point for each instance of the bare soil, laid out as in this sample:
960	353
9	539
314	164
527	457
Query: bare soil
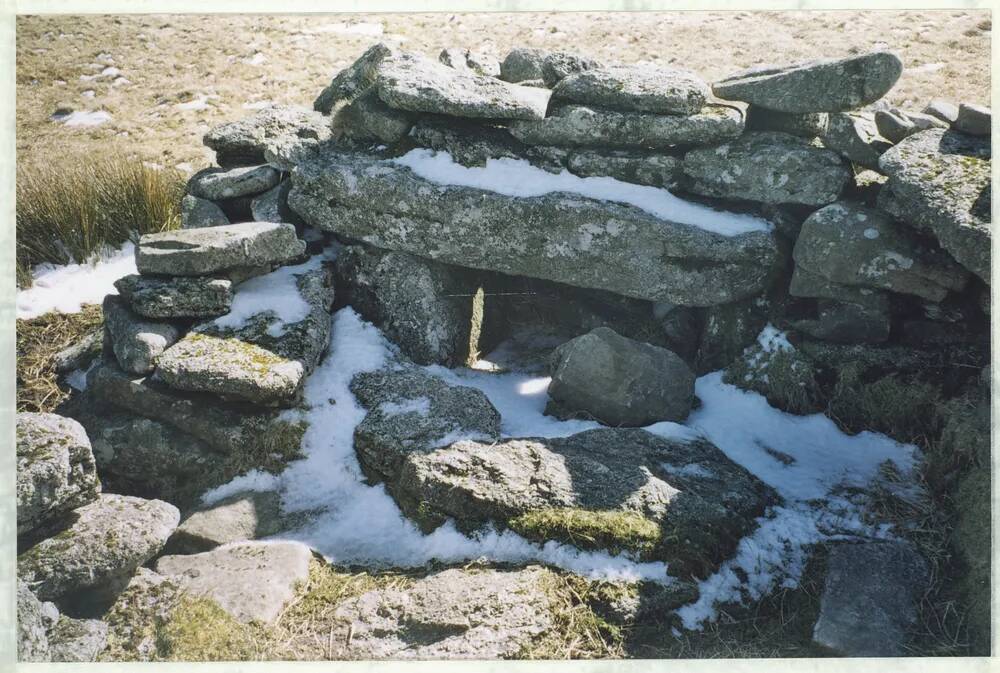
229	62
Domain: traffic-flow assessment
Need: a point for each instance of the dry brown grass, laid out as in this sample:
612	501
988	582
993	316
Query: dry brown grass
175	59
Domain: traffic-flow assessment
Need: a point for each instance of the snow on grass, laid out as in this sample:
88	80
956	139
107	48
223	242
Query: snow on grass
66	288
81	118
517	177
276	293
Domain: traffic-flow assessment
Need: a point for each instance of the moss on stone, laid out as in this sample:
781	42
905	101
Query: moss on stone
197	629
616	531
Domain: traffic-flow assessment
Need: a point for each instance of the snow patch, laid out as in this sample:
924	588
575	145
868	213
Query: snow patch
66	288
81	118
517	177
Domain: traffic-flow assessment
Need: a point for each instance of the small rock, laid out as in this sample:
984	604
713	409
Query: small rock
244	516
943	110
247	141
272	205
768	167
159	298
217	184
109	539
56	471
870	598
454	614
806	125
77	639
197	213
895	124
80	354
974	119
353	80
558	65
200	252
619	381
368	119
521	65
252	581
136	342
815	86
635	88
856	137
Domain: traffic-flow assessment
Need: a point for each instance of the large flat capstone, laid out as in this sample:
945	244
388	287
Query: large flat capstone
557	236
200	252
639	88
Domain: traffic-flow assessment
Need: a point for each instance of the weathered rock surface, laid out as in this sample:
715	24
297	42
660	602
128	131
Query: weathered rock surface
943	110
656	169
146	603
855	245
367	118
200	252
479	62
806	125
355	79
697	502
56	472
33	622
768	167
244	142
558	236
557	65
939	182
410	410
109	539
454	614
231	369
197	213
522	64
807	284
895	124
583	126
815	86
424	307
638	88
252	581
846	322
80	354
418	84
136	342
619	381
870	599
973	119
77	639
243	516
216	184
856	137
179	297
272	205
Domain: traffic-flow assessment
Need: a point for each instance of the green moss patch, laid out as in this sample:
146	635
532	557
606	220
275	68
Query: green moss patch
614	531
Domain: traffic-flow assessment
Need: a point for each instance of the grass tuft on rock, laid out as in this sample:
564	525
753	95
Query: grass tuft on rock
614	531
38	341
199	630
71	209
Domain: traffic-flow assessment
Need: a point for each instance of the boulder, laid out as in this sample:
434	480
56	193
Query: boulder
216	184
80	354
895	124
975	120
243	516
806	124
615	489
56	472
245	142
939	183
856	137
410	410
855	245
768	167
557	236
232	369
619	381
252	581
846	322
231	429
197	213
453	614
478	62
136	342
424	307
354	79
583	126
161	298
639	88
33	622
77	640
522	64
871	598
418	84
943	110
833	85
201	252
656	169
100	551
367	118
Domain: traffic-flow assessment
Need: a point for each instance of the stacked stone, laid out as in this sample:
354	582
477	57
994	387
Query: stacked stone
200	357
77	546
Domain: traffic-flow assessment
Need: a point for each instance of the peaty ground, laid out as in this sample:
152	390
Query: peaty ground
174	77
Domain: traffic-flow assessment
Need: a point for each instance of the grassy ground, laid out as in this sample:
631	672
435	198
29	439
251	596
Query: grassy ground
230	60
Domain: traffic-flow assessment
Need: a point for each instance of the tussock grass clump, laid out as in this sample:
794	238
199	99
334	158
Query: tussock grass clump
784	377
38	340
67	210
200	630
615	531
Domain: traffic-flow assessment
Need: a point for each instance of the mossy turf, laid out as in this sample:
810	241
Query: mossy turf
614	531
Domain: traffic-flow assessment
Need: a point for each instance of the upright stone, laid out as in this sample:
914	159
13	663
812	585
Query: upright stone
200	252
834	85
136	342
355	79
197	213
975	120
856	137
